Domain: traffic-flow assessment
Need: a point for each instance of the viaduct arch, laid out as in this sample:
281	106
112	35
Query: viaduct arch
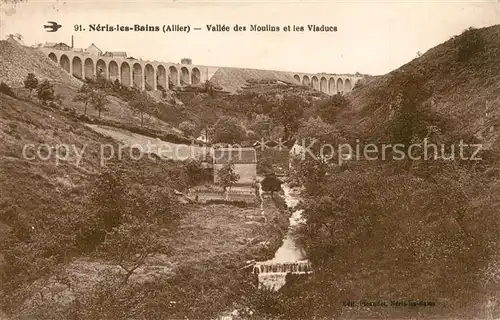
88	69
154	75
113	71
142	74
327	83
101	69
77	67
64	62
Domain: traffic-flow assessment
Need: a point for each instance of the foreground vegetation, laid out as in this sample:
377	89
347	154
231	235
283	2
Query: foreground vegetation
407	230
84	241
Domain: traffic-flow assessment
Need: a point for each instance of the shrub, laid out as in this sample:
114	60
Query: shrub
31	82
45	92
195	172
188	128
228	130
359	84
271	183
469	43
329	109
227	177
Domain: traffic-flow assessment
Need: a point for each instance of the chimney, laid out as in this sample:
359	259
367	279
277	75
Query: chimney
72	42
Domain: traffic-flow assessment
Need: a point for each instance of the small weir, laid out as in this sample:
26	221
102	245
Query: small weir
295	267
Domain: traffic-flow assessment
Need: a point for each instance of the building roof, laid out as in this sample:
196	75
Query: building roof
116	53
17	38
49	44
234	155
93	45
61	44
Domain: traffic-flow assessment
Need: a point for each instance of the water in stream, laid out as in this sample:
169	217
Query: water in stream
289	252
288	258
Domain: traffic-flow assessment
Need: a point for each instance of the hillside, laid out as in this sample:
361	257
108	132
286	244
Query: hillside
233	79
382	229
17	61
24	124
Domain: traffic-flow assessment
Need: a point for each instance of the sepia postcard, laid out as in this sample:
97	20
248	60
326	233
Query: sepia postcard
249	160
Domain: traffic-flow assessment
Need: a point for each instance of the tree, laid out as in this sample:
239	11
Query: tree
109	197
84	95
287	111
188	128
271	183
330	108
195	172
210	89
228	130
315	133
311	173
261	126
31	82
99	100
130	244
45	92
411	116
227	177
141	105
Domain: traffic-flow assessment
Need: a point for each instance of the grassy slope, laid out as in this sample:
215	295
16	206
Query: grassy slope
233	79
17	61
118	110
161	148
29	185
461	91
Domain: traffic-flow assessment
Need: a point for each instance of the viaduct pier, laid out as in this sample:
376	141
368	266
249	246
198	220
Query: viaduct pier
154	75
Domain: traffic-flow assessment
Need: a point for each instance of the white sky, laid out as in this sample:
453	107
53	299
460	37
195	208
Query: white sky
373	36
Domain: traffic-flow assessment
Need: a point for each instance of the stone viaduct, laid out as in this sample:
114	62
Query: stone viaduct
327	83
150	75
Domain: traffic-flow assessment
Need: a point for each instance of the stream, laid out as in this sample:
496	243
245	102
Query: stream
289	256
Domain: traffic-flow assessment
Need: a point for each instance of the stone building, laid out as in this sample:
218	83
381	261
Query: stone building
57	46
15	39
94	50
120	54
244	160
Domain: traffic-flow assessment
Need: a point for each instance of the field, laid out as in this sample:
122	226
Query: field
209	249
163	149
